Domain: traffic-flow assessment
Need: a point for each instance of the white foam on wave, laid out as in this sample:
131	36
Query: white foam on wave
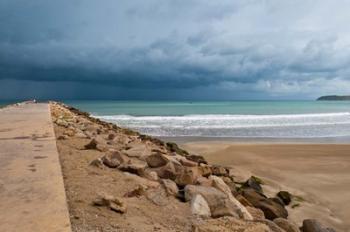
222	125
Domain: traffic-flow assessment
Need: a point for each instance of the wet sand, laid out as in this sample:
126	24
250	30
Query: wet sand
319	173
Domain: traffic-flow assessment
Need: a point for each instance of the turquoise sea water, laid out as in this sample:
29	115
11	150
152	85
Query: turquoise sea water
270	119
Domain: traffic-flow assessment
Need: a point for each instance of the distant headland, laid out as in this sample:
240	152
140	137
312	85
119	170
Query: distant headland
334	98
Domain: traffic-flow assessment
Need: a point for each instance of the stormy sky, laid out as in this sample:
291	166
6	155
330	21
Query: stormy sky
174	50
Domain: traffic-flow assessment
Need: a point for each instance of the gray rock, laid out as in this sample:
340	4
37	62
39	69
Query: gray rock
218	202
239	208
312	225
199	206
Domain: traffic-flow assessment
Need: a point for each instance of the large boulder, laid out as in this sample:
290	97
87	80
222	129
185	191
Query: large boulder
312	225
271	208
219	184
137	150
156	160
286	225
199	206
137	168
113	159
252	196
189	175
167	171
218	202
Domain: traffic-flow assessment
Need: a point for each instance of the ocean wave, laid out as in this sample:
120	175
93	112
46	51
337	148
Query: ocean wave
225	125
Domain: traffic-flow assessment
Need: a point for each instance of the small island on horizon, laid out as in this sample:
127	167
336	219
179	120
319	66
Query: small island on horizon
334	98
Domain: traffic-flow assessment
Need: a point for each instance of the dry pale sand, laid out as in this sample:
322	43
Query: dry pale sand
319	173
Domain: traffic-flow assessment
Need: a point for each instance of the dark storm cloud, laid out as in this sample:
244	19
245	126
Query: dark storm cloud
262	48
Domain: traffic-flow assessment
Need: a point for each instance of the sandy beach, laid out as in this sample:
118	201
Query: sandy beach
318	173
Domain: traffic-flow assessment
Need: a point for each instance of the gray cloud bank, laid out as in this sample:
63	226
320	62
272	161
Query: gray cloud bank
179	49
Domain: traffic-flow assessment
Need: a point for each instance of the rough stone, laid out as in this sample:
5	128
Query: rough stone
219	204
199	206
111	136
137	150
203	181
151	175
219	170
269	206
205	170
62	123
170	187
228	181
114	203
137	192
113	159
134	168
272	209
157	196
273	227
156	160
91	145
189	175
97	163
312	225
254	183
256	213
239	208
243	200
286	225
167	171
252	196
285	196
229	224
187	163
196	158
